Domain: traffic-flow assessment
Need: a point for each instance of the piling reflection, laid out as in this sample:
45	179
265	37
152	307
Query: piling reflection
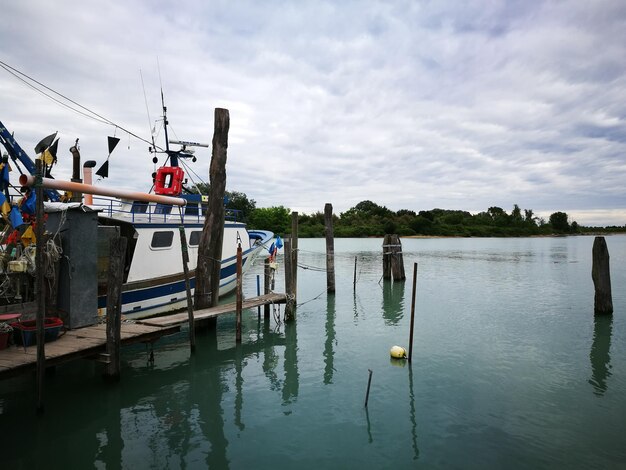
330	343
291	384
600	353
393	302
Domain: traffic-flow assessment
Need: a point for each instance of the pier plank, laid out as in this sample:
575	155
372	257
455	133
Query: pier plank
180	318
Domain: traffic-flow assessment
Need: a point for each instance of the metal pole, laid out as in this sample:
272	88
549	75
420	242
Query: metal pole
239	294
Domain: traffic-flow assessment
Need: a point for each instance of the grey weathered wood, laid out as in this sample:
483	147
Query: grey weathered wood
185	255
117	256
40	289
239	296
330	247
397	261
387	257
210	246
290	306
601	275
294	256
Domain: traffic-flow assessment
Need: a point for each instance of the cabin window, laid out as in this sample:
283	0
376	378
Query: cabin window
163	209
194	238
191	209
162	239
139	207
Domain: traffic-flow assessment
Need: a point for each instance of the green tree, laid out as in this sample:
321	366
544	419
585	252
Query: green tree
276	219
559	222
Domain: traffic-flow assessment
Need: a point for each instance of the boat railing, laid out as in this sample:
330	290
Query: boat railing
143	212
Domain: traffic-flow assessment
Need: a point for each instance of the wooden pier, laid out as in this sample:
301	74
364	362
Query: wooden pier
84	342
202	314
90	341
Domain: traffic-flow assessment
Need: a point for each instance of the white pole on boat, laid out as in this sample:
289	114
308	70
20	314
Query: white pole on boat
29	180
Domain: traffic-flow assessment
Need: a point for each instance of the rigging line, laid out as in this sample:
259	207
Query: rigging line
105	120
145	99
52	98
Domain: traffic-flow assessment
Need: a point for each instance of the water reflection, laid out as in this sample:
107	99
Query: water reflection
329	350
599	355
291	385
393	301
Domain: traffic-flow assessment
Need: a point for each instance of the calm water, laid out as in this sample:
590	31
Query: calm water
510	370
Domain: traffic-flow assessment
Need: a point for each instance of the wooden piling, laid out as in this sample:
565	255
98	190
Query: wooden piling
185	254
601	275
117	255
210	247
40	283
294	255
290	305
238	295
267	279
330	248
393	263
412	311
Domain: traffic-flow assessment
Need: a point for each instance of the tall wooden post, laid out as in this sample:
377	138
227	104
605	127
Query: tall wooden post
238	295
601	275
267	278
40	283
294	256
210	247
387	257
185	253
412	311
397	262
330	248
290	304
117	253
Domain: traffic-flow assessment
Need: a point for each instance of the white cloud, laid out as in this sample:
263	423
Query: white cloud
412	105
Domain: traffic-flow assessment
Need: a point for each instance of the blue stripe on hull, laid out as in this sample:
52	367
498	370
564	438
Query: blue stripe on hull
167	291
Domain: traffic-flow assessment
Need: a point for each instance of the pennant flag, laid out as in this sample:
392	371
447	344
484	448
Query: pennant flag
53	149
4	175
47	157
28	237
113	141
45	143
5	207
103	171
15	217
29	203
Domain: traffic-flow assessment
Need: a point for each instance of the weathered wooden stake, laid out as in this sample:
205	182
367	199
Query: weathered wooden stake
267	278
210	247
412	311
185	253
393	264
354	279
294	255
601	275
258	293
290	305
330	248
117	253
40	285
369	382
238	294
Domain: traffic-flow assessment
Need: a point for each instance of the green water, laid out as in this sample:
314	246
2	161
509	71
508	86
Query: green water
510	370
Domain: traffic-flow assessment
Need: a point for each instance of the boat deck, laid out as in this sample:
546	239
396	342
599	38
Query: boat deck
75	344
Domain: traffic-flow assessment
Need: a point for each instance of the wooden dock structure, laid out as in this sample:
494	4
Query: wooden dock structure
90	341
203	314
83	342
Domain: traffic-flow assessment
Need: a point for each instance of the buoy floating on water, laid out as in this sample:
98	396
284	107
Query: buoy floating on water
398	352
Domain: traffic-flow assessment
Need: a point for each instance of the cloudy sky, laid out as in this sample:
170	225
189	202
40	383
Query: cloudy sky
410	104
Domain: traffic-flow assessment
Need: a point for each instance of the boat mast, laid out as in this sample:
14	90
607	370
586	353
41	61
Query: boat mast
172	155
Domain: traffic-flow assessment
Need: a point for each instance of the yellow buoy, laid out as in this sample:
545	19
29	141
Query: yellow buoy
398	352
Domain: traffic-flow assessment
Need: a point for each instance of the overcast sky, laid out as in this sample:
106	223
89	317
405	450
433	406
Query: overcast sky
410	104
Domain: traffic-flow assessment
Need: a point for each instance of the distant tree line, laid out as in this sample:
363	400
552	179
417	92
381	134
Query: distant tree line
368	219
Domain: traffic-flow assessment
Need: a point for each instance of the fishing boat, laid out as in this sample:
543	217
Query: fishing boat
154	281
